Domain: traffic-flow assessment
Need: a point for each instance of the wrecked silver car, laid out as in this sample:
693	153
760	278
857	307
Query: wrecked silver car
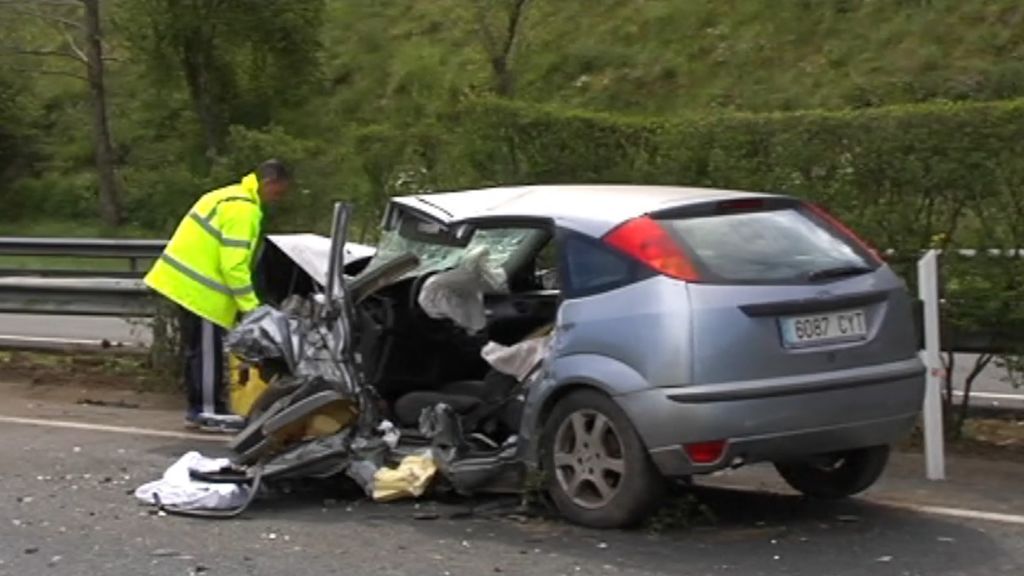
597	339
326	343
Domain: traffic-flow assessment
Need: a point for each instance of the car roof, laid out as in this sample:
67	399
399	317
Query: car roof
590	208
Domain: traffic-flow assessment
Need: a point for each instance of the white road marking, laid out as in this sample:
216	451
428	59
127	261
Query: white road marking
992	395
962	513
127	430
49	340
15	341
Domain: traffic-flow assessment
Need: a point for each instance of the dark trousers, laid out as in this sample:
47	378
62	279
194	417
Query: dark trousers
203	343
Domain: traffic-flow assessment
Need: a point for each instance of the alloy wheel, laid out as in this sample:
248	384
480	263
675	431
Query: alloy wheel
588	459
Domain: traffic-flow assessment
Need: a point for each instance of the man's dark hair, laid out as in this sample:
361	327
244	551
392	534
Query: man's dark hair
273	170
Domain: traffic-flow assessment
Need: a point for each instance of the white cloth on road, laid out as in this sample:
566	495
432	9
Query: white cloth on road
176	488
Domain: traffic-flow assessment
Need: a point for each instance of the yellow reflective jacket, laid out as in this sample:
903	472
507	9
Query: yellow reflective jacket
207	265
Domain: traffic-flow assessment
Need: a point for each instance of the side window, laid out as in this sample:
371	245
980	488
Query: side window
546	266
547	259
590	267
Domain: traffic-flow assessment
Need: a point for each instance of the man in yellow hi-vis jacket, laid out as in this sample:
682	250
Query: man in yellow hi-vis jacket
206	270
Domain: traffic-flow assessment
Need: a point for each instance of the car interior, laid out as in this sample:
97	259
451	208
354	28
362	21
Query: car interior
415	361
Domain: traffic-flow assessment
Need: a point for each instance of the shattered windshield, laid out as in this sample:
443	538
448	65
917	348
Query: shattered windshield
501	243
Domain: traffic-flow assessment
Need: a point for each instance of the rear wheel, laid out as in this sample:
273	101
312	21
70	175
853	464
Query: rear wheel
836	476
599	473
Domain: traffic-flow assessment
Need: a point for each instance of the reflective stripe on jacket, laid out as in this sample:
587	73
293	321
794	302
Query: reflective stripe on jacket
207	265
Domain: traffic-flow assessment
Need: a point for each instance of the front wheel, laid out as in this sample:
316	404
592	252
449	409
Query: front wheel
836	476
599	472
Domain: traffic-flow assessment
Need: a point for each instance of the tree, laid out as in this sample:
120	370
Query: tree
982	311
110	206
239	59
15	142
500	25
77	21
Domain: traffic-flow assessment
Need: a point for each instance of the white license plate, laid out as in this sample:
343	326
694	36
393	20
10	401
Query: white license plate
824	328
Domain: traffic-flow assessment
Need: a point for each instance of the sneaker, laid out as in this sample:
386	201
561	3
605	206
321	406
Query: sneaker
223	423
192	421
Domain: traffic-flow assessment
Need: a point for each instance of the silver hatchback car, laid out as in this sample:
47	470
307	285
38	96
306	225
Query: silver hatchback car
694	330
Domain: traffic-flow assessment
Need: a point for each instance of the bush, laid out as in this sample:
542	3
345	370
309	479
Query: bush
906	177
901	175
155	199
57	196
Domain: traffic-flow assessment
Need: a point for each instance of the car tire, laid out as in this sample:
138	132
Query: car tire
602	477
836	476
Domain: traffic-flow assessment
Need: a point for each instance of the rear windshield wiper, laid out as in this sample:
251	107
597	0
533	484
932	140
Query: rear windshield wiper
839	272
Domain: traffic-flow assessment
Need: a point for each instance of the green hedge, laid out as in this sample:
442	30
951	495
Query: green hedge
907	177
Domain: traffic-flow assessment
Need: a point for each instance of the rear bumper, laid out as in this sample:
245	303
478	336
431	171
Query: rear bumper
780	419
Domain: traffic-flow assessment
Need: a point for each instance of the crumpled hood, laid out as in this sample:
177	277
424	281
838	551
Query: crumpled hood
311	252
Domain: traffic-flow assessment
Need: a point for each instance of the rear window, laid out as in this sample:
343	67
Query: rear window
784	245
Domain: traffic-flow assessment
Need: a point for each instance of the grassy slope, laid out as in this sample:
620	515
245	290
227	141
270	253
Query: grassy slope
671	56
666	56
402	60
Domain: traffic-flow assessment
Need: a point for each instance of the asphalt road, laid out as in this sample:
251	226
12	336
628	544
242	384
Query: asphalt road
992	388
66	510
69	470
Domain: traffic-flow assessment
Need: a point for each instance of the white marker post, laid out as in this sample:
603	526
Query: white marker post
934	444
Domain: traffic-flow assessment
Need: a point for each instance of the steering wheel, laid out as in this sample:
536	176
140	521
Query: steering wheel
438	330
414	291
426	326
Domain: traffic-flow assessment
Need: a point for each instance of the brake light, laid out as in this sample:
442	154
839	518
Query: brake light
845	230
645	240
740	205
705	452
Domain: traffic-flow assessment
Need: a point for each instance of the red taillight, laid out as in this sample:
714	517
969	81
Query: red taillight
705	452
845	230
644	239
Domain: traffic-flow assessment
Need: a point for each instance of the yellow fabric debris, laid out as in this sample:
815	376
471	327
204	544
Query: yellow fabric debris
244	387
409	480
327	420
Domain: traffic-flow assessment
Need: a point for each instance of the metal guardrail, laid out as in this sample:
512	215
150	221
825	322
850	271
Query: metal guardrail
133	251
895	257
81	291
67	273
83	247
120	293
77	297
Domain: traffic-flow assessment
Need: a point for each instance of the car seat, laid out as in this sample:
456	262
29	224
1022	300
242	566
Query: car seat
489	405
